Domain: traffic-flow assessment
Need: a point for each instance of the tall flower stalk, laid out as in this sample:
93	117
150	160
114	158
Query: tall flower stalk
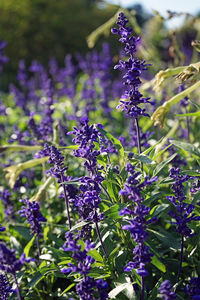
183	211
58	171
87	287
31	211
10	264
137	223
132	98
89	198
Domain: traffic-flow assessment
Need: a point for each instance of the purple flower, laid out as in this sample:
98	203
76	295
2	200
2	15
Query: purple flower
8	261
32	213
34	128
183	212
138	223
87	286
85	136
133	68
5	197
5	288
2	228
22	76
57	159
21	137
165	290
2	109
193	288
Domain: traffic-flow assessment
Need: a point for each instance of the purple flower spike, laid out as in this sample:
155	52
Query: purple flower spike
8	261
138	224
87	286
133	67
5	288
183	211
5	197
165	290
32	213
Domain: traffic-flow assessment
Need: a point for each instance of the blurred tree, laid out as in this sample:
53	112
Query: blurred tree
40	29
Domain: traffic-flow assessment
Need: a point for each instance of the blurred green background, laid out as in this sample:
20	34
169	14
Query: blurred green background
41	29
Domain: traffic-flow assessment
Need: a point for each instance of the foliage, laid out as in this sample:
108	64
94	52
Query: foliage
111	201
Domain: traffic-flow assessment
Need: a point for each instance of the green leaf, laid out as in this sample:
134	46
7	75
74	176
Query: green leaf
191	172
143	158
37	197
187	147
166	238
72	147
67	289
78	225
95	254
158	264
73	181
157	209
37	277
113	211
151	148
115	141
194	114
14	148
29	245
160	152
161	165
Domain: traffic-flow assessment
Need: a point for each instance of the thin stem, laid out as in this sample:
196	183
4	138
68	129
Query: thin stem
101	241
188	126
18	290
181	258
66	201
142	289
138	135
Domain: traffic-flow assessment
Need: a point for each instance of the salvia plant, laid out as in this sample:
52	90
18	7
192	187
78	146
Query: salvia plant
97	202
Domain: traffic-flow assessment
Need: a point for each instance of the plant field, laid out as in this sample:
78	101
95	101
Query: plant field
99	158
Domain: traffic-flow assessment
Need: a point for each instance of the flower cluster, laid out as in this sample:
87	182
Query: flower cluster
8	261
88	200
85	136
87	288
183	210
137	226
5	197
193	288
133	68
64	78
165	290
5	288
32	213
